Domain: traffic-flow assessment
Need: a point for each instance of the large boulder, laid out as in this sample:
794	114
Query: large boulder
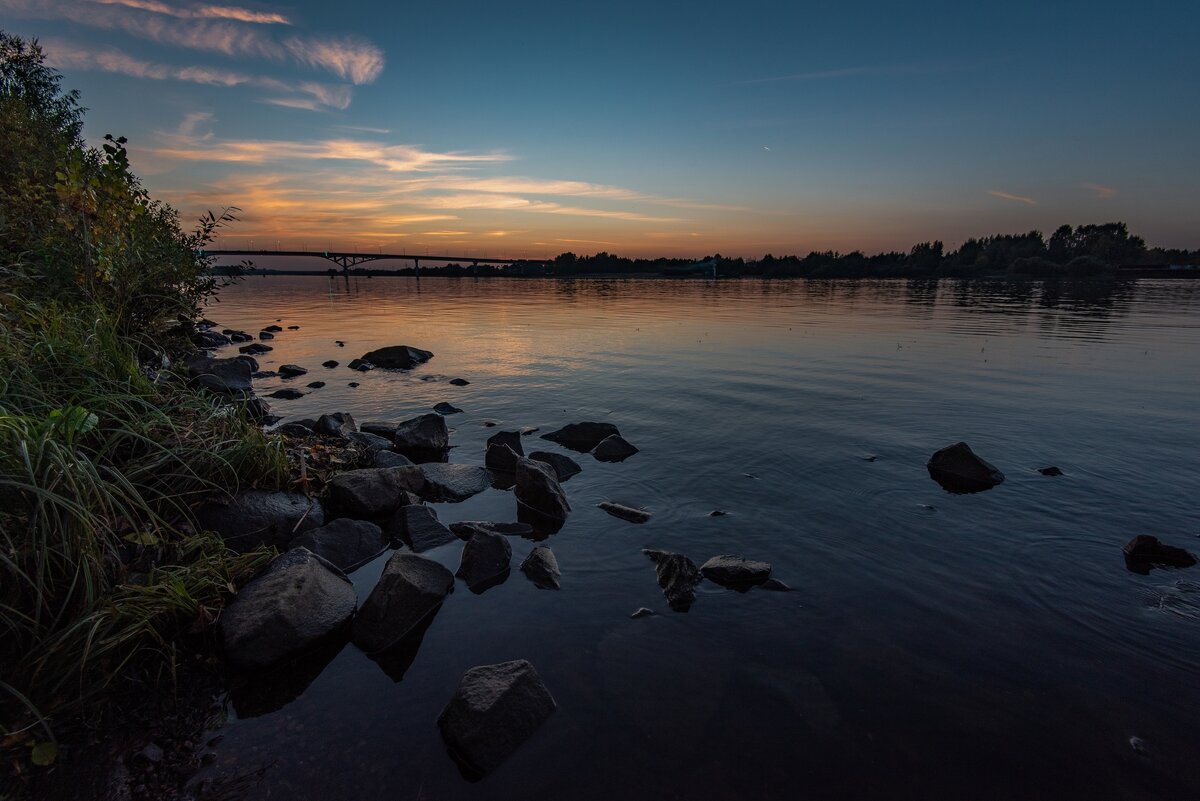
614	449
734	571
386	430
220	376
959	470
374	492
419	527
397	357
385	458
678	577
410	589
541	568
537	489
260	517
424	434
346	544
298	602
338	424
582	437
503	448
1144	552
495	709
485	561
564	466
452	483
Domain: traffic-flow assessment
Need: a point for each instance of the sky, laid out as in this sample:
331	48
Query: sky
525	129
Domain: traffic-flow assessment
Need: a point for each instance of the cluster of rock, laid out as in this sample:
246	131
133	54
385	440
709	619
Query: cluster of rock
602	440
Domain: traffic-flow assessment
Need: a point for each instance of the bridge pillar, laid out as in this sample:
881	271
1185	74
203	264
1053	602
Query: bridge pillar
417	268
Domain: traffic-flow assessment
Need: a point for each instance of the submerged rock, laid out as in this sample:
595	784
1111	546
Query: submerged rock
299	601
316	385
410	589
495	709
541	568
564	466
452	483
641	611
677	576
331	363
582	437
614	449
537	489
444	408
1050	471
465	529
346	544
734	571
374	492
775	585
291	370
286	394
422	434
959	470
624	512
1144	552
255	349
397	357
256	517
418	526
459	382
485	561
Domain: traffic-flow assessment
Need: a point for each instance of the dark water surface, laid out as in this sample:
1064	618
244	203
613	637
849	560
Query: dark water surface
987	646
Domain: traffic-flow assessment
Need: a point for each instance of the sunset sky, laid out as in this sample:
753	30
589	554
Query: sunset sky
530	128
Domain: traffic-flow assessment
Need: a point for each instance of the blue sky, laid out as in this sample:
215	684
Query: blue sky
530	128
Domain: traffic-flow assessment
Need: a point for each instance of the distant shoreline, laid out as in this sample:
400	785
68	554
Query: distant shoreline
1121	274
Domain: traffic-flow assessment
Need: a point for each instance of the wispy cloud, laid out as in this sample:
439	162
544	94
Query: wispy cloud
847	72
1009	196
350	58
201	12
306	94
1101	191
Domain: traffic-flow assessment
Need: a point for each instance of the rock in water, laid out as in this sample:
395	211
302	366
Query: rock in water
410	588
361	365
1144	552
291	370
315	384
286	394
346	544
419	527
501	458
466	528
678	577
459	382
273	328
221	376
255	349
397	357
537	489
374	492
338	424
564	466
295	604
330	363
1050	471
614	449
774	585
959	470
641	611
582	437
386	430
426	433
625	512
452	483
541	568
209	339
485	561
265	335
444	408
260	517
734	571
495	709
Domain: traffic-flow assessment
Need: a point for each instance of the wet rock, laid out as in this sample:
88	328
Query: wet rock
410	589
385	458
444	408
528	430
495	709
614	449
537	489
371	444
293	328
209	339
240	336
624	512
264	374
331	363
316	385
387	430
489	424
677	576
273	328
291	370
255	349
291	429
510	439
250	360
564	466
220	376
485	561
397	357
582	437
1144	552
298	602
642	612
734	571
459	382
774	585
501	458
717	513
453	483
465	529
959	470
346	544
339	343
541	568
352	384
286	393
426	433
338	424
260	517
265	335
1050	471
360	365
374	492
418	526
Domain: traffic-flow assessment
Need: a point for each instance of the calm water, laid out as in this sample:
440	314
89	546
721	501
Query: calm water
988	646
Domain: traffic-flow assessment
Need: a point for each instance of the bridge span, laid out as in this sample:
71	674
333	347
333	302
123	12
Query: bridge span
348	260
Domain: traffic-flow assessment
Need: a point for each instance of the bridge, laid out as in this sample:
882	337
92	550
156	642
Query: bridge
348	260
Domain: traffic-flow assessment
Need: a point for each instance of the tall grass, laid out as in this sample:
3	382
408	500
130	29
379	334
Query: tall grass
101	459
